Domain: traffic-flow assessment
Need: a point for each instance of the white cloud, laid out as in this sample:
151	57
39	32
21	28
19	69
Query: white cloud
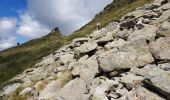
31	28
44	15
7	26
7	29
68	15
7	42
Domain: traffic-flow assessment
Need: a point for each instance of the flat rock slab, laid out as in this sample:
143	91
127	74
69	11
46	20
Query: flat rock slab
161	48
130	55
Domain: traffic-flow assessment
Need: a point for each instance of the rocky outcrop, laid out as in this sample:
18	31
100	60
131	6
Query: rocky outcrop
126	60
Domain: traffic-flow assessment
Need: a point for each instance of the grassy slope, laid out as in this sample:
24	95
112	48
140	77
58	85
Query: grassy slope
15	60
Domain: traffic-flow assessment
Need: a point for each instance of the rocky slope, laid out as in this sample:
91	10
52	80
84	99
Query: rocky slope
127	60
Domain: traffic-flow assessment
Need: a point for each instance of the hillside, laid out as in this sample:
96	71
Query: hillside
15	60
128	59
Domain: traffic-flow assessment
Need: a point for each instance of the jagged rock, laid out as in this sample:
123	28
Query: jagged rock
141	94
165	66
159	80
164	29
122	91
113	95
148	33
165	16
131	80
106	38
86	47
122	34
77	42
115	43
86	69
166	7
160	2
99	94
67	58
161	48
128	24
143	71
74	90
103	84
132	54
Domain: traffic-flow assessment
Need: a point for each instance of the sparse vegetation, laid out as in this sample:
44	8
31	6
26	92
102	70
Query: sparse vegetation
15	60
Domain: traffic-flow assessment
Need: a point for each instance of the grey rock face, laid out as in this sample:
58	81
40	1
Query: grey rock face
161	48
86	69
86	47
74	90
132	54
159	80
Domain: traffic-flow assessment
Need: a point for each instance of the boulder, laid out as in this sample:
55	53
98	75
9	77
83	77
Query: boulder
115	44
165	16
161	48
76	42
165	66
158	80
106	38
86	47
55	86
164	29
131	80
67	58
148	33
86	69
130	55
141	93
74	90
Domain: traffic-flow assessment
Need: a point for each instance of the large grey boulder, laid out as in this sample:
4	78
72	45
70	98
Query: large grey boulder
148	33
106	38
141	93
161	48
132	54
164	29
159	80
131	80
55	86
78	41
99	86
115	44
86	47
165	16
74	90
86	69
67	58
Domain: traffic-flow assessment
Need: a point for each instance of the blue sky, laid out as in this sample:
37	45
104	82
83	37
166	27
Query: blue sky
23	20
10	8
